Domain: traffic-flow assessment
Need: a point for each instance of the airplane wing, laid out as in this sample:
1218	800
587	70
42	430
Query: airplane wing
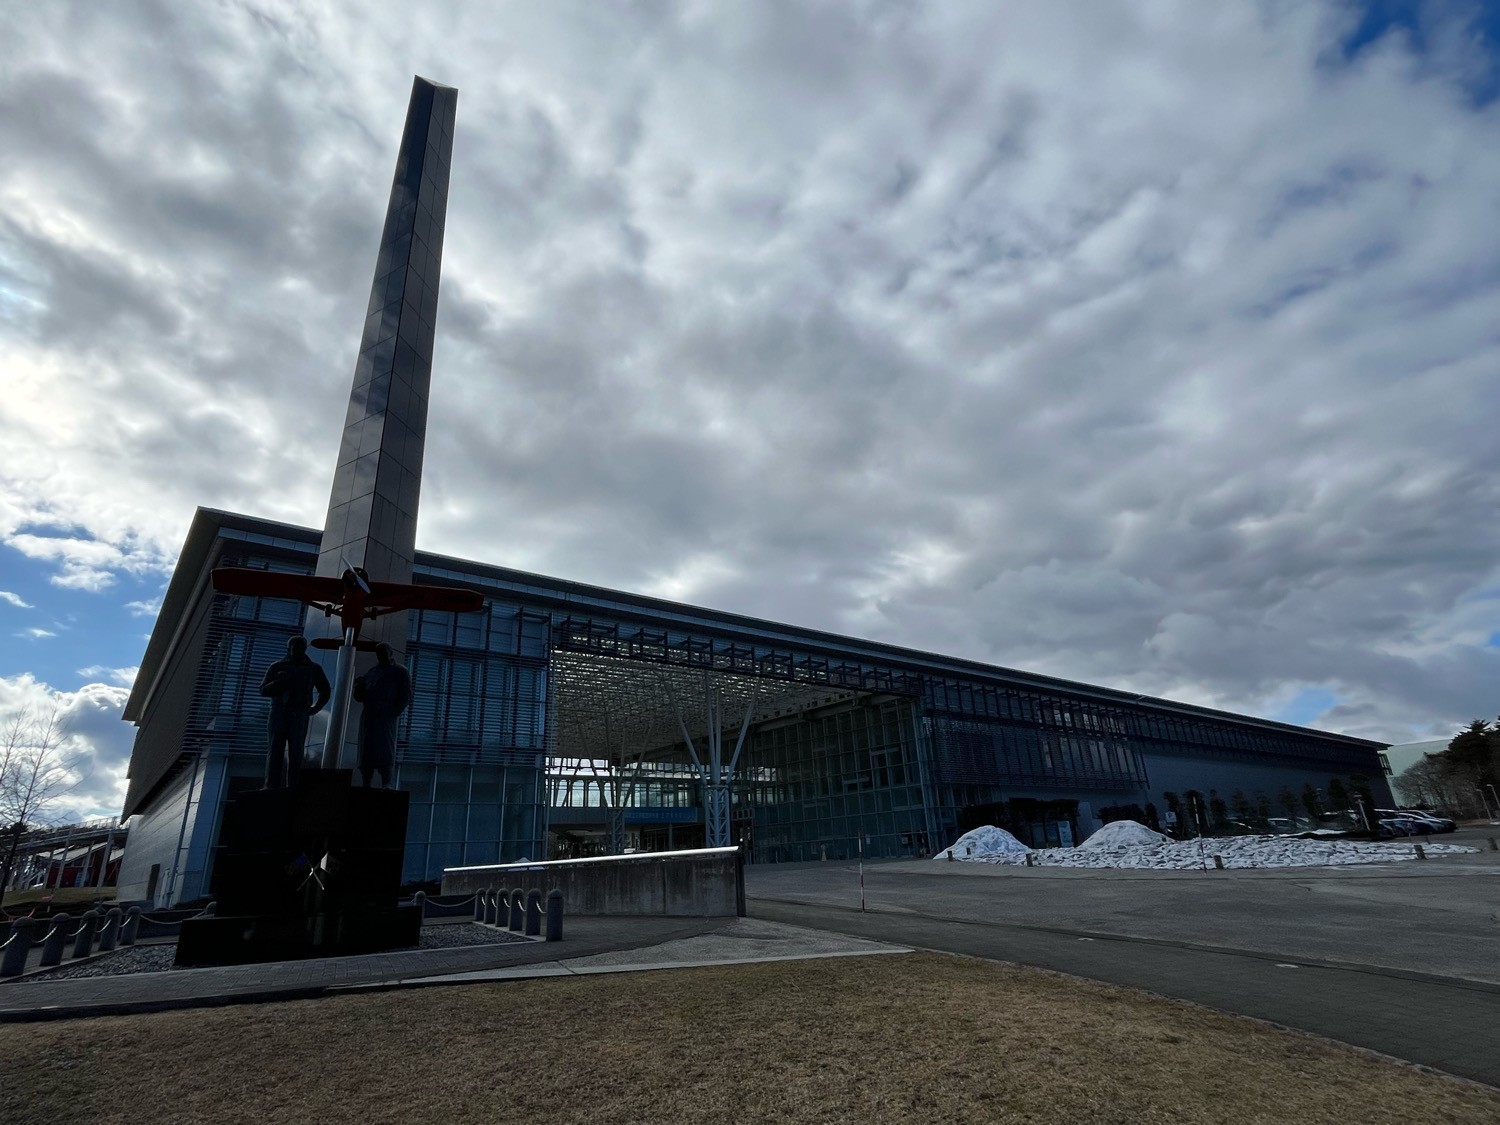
389	597
263	584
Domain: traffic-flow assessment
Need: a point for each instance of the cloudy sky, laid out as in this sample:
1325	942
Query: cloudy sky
1154	345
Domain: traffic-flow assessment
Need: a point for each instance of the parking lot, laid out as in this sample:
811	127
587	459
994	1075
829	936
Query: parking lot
1439	916
1398	957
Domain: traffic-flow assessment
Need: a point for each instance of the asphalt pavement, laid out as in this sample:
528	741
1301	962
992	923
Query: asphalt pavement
1399	958
590	945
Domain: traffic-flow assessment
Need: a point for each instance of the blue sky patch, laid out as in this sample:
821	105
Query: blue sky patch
61	632
1427	23
1306	706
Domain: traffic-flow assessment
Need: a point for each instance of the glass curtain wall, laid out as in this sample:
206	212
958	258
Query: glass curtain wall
474	739
814	784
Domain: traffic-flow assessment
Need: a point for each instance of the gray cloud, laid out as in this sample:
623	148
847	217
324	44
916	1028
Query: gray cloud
93	744
1109	342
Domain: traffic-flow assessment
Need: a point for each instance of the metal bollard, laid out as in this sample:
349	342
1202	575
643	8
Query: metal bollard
950	855
132	924
83	944
110	934
52	947
1028	860
554	915
479	906
1218	863
1421	851
419	900
494	906
17	946
533	913
1494	847
517	909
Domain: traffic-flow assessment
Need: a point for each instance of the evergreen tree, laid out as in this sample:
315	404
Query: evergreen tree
1262	809
1218	811
1243	810
1338	795
1310	801
1474	750
1359	785
1288	800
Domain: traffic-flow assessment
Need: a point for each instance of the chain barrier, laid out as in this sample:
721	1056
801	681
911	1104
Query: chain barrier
444	906
173	921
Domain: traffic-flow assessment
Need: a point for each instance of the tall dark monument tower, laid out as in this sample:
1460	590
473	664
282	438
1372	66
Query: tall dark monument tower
372	510
314	869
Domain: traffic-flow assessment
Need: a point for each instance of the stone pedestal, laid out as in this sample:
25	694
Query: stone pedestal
308	872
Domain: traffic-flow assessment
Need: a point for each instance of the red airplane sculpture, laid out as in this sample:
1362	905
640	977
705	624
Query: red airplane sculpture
353	598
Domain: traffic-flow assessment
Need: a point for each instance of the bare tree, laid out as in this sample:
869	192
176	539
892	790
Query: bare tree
1437	782
33	775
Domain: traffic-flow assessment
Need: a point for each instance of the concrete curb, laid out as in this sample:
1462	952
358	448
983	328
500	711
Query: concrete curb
565	969
144	1007
537	970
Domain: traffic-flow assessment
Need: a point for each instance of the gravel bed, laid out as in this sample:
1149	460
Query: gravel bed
158	958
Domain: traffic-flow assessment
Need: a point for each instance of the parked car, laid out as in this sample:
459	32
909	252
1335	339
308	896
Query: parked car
1392	826
1417	825
1440	823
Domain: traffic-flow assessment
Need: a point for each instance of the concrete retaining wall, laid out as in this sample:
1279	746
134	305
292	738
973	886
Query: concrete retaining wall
707	882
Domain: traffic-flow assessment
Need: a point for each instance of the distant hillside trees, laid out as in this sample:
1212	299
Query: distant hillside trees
1459	778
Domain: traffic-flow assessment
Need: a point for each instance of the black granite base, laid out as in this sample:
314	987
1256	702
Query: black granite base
308	872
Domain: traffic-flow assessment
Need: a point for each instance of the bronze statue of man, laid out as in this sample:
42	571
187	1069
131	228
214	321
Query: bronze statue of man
291	685
385	691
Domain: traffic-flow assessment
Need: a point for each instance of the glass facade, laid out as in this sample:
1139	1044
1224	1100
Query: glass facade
814	785
470	751
564	719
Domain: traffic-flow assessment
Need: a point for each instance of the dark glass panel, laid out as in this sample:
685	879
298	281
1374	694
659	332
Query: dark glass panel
369	437
395	285
411	485
405	366
377	393
364	474
380	355
383	518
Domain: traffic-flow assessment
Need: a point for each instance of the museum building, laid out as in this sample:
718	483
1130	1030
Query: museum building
565	719
568	719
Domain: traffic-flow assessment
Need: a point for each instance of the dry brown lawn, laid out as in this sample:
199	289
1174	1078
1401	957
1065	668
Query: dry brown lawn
919	1038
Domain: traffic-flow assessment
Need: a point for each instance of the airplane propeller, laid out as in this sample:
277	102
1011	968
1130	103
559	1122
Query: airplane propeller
358	577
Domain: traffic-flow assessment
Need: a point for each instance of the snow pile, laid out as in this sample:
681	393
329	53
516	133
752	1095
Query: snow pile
987	842
1124	834
1191	855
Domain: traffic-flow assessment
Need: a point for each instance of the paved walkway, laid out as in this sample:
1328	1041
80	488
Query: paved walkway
590	945
1446	1023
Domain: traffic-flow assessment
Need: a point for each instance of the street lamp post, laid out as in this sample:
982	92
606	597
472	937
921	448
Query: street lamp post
1496	816
1487	814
